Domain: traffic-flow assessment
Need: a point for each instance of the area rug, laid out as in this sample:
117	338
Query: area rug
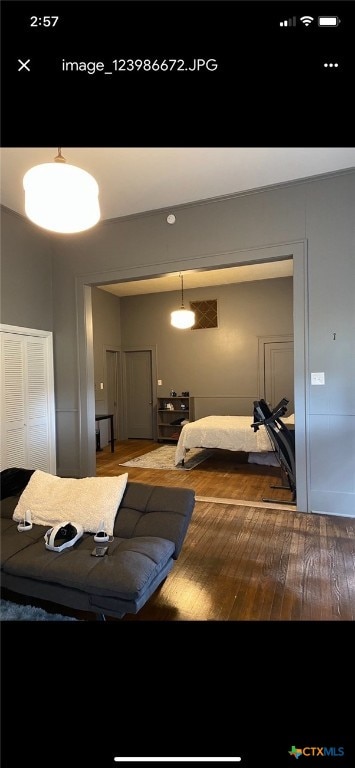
164	458
12	612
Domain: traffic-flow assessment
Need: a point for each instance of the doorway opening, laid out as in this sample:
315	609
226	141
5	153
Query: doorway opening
297	251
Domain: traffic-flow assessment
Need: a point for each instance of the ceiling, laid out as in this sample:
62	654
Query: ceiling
200	279
141	179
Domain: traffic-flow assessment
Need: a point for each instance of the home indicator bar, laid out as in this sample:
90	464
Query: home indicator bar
177	759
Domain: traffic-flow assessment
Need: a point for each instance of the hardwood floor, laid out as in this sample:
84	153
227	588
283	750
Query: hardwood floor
225	475
247	562
243	561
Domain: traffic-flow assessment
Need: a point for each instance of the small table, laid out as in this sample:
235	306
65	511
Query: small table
100	417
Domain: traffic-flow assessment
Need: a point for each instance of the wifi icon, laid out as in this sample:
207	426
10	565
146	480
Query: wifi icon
306	20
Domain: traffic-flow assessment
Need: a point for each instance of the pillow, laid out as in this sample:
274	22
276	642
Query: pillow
87	500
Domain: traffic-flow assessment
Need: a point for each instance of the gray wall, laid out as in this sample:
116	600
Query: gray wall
218	366
330	211
26	280
218	362
321	212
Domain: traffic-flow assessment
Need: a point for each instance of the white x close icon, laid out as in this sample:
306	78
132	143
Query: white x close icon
23	65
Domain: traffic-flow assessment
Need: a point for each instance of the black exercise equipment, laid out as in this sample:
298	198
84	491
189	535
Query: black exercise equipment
283	440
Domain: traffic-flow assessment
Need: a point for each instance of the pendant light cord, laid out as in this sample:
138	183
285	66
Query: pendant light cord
182	291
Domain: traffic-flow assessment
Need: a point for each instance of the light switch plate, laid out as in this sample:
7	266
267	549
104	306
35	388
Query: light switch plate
317	378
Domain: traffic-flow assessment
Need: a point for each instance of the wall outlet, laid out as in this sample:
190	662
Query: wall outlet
317	378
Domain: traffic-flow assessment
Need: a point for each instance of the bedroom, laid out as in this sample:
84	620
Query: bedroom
222	367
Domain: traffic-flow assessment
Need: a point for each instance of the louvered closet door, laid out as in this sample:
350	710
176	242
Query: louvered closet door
13	427
26	439
37	404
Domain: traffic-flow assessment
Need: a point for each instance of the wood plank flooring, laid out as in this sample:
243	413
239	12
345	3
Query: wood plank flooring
245	562
225	475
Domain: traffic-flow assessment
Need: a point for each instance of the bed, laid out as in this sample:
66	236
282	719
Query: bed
232	433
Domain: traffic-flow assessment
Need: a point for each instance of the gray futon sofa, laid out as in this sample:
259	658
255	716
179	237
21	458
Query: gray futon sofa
149	531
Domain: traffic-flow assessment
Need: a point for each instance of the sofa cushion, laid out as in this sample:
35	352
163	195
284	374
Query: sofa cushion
87	500
157	510
126	572
12	541
8	506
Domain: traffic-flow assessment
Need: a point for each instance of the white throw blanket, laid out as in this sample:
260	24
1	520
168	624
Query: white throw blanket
233	433
87	500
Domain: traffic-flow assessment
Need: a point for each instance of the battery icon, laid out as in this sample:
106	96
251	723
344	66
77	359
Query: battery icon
328	21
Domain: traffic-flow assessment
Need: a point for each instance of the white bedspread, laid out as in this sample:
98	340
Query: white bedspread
232	433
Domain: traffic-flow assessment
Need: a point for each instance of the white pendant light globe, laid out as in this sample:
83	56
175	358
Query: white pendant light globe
60	197
182	318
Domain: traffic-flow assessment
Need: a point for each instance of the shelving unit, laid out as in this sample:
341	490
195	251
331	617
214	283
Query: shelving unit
183	409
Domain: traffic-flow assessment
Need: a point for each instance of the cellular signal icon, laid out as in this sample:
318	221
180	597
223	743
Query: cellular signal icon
288	22
306	20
